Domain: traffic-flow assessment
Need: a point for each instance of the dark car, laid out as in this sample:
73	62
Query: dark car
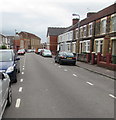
65	58
5	92
9	63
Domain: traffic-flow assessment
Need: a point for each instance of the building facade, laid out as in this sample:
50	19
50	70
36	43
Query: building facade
29	41
52	38
4	41
97	33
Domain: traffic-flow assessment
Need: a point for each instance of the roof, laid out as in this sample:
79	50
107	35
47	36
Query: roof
103	13
55	31
28	34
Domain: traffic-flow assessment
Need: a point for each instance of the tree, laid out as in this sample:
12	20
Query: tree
3	47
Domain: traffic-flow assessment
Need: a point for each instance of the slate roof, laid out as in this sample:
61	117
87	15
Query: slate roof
55	31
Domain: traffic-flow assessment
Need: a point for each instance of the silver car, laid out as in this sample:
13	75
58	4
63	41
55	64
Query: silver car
5	92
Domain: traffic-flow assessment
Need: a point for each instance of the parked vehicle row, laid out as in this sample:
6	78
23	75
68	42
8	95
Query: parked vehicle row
9	68
5	92
44	52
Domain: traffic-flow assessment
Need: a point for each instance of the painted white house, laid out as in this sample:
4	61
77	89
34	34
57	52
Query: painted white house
4	41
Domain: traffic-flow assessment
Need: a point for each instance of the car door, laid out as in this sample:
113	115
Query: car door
0	95
5	86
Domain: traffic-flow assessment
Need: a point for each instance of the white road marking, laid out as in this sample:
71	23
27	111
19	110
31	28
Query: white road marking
18	101
22	73
20	89
112	96
89	83
55	64
65	70
59	66
21	80
75	75
23	68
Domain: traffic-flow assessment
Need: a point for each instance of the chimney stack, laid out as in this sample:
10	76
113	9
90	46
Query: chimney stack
74	21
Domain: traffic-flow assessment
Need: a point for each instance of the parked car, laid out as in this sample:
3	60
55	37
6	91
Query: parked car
39	51
30	50
21	52
46	53
9	63
65	57
5	92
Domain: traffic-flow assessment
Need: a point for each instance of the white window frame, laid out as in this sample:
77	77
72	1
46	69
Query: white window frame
99	44
112	25
90	31
84	30
103	27
81	32
85	46
77	33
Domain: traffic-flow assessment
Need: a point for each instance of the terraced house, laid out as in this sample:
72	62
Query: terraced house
96	37
93	39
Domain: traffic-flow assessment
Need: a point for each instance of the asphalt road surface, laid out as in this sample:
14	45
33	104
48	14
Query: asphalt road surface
46	89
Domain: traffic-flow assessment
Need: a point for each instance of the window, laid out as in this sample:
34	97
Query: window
103	26
90	29
97	28
77	34
81	32
85	46
96	42
88	46
84	31
98	46
113	23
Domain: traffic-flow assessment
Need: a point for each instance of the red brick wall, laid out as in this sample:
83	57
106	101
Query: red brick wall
16	44
53	44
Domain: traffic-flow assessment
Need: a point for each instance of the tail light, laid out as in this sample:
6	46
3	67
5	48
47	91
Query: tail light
62	57
74	58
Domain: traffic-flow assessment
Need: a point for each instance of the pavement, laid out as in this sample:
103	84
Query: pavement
96	69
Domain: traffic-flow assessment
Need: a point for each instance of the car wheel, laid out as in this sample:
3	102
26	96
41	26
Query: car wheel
19	70
9	99
15	78
74	63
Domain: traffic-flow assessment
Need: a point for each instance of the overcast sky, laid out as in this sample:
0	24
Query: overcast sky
35	16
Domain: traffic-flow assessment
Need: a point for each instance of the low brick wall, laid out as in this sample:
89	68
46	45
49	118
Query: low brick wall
108	66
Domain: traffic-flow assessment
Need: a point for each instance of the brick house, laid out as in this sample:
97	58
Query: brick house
97	34
52	38
29	41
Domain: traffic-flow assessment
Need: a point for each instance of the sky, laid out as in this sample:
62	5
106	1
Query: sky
35	16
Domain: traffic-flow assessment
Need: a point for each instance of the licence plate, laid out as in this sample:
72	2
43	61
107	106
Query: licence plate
69	58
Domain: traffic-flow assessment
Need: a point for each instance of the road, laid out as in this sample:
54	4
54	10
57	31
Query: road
49	90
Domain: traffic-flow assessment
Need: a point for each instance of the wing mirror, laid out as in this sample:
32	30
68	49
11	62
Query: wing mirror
2	77
16	59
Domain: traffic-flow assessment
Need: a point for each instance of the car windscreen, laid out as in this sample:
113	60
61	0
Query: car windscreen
6	56
67	54
47	51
